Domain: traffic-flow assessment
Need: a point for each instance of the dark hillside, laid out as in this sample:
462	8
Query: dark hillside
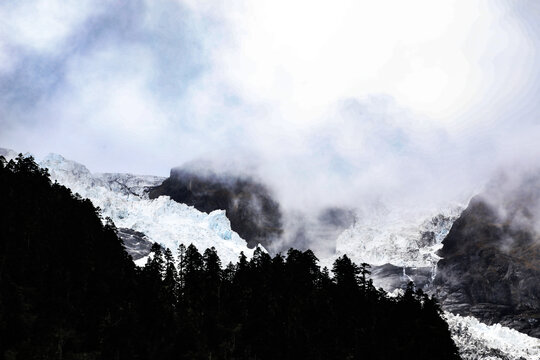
64	277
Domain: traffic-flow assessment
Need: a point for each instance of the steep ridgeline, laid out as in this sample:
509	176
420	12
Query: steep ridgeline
249	205
491	265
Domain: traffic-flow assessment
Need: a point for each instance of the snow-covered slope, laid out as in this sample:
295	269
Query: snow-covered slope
122	198
476	340
8	154
401	237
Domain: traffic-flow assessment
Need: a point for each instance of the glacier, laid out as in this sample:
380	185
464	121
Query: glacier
478	341
122	198
399	236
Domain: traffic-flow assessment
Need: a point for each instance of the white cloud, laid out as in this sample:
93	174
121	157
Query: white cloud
44	25
306	54
333	101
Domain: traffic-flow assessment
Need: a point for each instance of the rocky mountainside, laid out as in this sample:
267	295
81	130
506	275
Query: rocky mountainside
249	205
491	257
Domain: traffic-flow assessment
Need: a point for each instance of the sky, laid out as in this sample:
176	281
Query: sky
329	102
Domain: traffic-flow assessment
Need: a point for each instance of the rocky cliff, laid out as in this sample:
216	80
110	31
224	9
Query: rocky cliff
249	205
491	256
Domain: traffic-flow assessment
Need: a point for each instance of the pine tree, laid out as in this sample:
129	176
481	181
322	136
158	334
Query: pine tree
170	280
345	272
212	265
156	264
193	261
181	267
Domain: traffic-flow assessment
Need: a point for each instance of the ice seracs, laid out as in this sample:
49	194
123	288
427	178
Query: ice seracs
122	197
476	340
398	236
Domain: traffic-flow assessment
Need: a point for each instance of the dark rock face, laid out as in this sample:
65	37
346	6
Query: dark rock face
391	277
249	205
136	243
491	258
432	236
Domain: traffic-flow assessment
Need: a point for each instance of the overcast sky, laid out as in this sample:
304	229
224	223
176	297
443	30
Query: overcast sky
340	100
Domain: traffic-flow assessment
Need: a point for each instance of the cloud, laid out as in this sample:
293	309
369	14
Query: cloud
340	102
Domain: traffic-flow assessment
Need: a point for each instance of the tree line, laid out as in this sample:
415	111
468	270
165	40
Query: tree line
68	290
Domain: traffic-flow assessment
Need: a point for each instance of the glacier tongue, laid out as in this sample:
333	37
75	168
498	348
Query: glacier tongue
476	340
122	198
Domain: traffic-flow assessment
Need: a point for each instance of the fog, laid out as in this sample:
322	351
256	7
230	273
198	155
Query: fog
340	103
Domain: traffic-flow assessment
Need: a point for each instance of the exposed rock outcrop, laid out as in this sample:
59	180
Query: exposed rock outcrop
249	205
136	243
491	257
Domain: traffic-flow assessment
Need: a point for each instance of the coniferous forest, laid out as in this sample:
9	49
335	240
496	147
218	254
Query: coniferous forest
68	290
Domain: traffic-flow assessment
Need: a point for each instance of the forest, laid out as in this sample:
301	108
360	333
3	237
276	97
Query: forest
69	290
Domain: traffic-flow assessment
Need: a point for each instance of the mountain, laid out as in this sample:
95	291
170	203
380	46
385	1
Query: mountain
253	210
491	256
249	205
401	244
69	290
402	237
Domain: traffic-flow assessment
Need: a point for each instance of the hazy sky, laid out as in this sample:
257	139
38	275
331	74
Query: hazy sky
340	100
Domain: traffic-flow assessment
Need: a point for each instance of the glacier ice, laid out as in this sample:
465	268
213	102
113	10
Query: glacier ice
122	198
398	236
476	340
